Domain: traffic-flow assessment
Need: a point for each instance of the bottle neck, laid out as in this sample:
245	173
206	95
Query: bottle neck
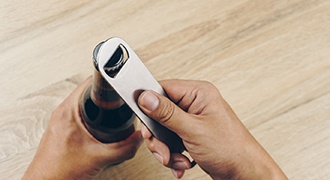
103	95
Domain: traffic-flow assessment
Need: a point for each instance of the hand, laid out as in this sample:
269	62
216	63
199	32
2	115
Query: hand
211	132
68	151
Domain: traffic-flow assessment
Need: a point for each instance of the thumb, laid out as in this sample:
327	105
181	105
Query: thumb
164	111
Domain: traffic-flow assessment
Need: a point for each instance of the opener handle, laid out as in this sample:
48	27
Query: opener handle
131	79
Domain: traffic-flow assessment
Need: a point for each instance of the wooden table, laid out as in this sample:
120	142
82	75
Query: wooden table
270	60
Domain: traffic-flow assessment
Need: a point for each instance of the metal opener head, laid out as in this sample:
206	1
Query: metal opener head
130	77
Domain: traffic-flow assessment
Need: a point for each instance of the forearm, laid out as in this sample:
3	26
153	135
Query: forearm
254	163
44	170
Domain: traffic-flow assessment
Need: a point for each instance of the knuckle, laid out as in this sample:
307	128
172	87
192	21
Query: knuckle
206	88
131	153
166	112
60	110
151	145
62	113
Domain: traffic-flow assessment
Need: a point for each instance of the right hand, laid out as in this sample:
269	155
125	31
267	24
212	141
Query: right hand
211	132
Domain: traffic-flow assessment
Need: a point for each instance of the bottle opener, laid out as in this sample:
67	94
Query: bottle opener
130	77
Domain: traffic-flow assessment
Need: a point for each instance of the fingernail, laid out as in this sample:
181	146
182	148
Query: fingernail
143	131
158	157
177	173
180	165
149	101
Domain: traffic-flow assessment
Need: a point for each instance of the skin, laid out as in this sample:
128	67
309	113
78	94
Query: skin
211	132
68	151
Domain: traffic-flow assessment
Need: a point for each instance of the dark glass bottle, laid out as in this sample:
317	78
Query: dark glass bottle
106	116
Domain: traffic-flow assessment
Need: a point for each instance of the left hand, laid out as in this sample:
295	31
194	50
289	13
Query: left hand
68	151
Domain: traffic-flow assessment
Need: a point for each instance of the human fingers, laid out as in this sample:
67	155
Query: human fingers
178	173
146	134
73	99
179	162
71	104
76	93
176	160
67	111
176	89
162	154
120	151
165	112
191	96
159	150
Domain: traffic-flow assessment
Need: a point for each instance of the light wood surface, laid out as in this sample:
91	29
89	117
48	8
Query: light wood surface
269	59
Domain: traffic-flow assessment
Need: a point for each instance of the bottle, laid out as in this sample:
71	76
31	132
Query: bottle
106	116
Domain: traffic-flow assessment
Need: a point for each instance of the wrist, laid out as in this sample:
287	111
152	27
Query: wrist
258	165
261	172
255	163
60	169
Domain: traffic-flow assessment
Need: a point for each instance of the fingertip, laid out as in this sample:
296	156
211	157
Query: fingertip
148	101
87	81
89	78
134	139
118	152
146	134
156	146
158	157
80	89
179	162
181	165
133	143
137	137
178	173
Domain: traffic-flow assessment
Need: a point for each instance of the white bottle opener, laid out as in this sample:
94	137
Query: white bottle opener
130	80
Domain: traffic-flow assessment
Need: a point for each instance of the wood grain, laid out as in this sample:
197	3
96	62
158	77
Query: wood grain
269	59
